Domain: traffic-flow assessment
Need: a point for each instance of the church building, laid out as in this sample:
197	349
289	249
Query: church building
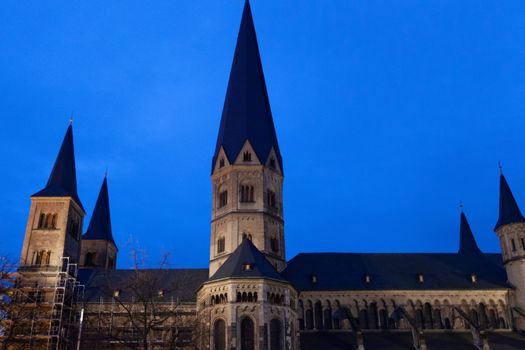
252	296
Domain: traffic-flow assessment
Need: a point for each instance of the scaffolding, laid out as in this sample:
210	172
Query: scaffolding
46	300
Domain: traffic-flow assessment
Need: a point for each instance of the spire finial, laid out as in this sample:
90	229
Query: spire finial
461	206
71	119
500	168
106	172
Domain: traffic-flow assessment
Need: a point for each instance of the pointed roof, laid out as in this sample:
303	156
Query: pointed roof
467	242
246	114
100	224
63	179
509	212
246	253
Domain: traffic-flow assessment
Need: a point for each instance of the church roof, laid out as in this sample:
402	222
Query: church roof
509	212
63	179
395	271
246	114
246	262
467	242
100	223
176	284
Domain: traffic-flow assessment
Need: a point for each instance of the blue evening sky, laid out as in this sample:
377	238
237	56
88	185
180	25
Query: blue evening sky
388	114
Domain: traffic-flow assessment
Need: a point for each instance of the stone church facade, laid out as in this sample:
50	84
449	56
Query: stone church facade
251	297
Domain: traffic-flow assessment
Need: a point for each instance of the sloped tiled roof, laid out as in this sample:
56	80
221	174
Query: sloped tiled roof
467	242
397	271
246	253
100	223
176	284
62	181
246	114
509	212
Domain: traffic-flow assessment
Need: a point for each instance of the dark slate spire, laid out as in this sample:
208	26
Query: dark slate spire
100	223
467	242
63	179
508	208
246	261
246	114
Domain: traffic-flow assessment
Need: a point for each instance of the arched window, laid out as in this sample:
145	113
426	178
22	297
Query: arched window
309	319
247	334
274	244
221	245
91	257
247	156
49	221
427	314
221	163
42	220
47	257
318	315
383	319
39	255
276	338
328	318
223	198
271	199
363	319
54	221
372	316
246	236
219	335
247	192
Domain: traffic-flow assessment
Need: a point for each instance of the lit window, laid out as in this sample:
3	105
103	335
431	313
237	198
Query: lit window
314	279
420	278
247	266
367	279
473	278
116	293
160	293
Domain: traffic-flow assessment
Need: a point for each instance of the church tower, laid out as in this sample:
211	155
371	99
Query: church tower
247	168
56	214
510	229
98	246
47	274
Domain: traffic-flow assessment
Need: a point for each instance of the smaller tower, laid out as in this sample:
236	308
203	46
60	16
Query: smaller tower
510	229
467	242
98	246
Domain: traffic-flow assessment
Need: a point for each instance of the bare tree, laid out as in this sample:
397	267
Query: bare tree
141	308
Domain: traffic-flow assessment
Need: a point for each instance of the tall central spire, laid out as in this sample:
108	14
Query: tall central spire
246	114
62	181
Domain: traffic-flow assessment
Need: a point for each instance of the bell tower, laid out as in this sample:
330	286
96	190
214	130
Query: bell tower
56	214
510	229
247	168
